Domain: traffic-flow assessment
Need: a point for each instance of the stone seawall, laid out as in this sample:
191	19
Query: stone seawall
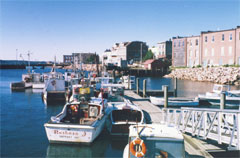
220	75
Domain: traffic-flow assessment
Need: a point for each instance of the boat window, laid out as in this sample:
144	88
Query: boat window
126	115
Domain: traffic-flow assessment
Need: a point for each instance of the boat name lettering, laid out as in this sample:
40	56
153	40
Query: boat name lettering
65	132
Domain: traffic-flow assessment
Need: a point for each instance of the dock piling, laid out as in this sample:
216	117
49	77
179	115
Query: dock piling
144	88
165	96
175	87
222	101
137	82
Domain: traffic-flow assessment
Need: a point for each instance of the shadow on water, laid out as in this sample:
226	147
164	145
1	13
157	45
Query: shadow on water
103	146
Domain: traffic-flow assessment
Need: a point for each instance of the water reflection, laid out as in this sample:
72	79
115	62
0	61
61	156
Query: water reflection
103	146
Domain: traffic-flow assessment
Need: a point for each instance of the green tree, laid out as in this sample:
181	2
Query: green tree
149	55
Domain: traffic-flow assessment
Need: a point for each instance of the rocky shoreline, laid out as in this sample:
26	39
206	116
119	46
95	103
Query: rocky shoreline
220	75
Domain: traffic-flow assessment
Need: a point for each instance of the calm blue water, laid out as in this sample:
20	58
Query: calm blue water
23	115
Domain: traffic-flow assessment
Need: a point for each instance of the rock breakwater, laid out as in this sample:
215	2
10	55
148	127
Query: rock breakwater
220	75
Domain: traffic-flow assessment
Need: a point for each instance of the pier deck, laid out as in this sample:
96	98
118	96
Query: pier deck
153	114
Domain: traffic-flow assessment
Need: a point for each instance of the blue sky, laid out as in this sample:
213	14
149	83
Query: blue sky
57	27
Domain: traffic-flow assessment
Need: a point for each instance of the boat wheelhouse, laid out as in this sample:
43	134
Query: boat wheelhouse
154	140
123	115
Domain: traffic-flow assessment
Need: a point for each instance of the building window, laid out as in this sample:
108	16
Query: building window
230	50
183	43
179	43
190	54
212	51
196	42
212	38
230	37
190	43
205	38
174	44
222	51
205	52
222	37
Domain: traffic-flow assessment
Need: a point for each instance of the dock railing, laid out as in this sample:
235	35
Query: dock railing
222	126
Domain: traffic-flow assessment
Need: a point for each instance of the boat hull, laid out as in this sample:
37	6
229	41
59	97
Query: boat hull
54	96
65	133
174	102
230	101
38	85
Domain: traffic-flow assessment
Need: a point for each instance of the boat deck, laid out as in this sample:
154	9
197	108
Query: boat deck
153	114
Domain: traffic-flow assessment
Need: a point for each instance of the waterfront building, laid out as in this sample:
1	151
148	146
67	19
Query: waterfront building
67	59
179	51
193	51
156	64
218	47
155	51
126	51
237	56
162	50
165	49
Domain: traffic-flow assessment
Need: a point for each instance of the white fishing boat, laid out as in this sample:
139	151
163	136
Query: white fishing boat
232	96
29	80
154	140
54	89
114	92
79	122
174	101
128	84
123	115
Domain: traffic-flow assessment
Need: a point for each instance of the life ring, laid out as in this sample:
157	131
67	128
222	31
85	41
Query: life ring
142	147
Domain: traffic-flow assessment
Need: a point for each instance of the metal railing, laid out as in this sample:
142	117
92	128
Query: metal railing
220	125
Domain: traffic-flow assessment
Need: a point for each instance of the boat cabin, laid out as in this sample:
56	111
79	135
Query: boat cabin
83	113
220	88
154	140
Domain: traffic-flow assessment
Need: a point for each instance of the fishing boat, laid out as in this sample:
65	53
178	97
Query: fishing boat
29	80
128	81
123	115
232	96
79	122
154	140
175	101
54	90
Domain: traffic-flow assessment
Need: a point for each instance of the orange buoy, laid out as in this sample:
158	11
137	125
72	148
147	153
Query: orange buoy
140	146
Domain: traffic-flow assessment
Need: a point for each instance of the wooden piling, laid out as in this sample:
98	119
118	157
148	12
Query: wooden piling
144	88
175	87
137	86
165	96
222	101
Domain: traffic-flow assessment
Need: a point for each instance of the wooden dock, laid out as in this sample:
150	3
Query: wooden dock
194	147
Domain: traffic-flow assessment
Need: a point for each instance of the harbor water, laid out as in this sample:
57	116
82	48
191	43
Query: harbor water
23	115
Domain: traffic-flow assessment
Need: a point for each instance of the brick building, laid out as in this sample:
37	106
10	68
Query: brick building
193	51
179	51
218	47
126	51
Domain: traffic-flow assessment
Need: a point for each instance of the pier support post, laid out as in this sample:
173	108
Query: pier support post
144	88
165	96
175	87
137	86
222	101
129	81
